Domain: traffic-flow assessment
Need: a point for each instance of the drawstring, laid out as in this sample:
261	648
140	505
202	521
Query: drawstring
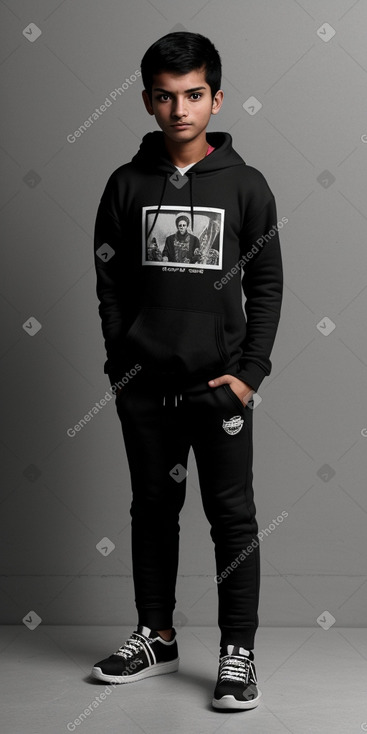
172	397
159	205
177	399
191	175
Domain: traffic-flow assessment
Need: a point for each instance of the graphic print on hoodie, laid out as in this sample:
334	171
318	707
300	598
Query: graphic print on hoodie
169	253
174	242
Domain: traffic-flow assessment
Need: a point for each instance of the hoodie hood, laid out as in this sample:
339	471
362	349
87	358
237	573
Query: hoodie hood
153	155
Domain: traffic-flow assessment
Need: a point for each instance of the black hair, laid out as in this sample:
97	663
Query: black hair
182	52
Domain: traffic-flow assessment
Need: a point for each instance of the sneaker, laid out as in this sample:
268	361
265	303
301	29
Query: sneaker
237	683
145	653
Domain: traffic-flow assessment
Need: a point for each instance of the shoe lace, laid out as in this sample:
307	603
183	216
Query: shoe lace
131	646
235	667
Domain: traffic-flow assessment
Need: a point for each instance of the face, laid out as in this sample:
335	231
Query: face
182	98
182	226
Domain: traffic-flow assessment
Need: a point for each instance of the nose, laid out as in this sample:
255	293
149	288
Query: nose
179	109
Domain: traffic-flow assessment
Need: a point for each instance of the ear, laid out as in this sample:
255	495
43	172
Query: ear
217	102
147	102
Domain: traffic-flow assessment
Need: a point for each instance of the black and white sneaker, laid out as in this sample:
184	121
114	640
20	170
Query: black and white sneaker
237	683
145	653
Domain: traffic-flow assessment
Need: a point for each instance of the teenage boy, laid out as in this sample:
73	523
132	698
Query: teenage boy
185	359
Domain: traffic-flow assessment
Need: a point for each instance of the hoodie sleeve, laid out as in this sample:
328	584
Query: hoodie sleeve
262	285
108	260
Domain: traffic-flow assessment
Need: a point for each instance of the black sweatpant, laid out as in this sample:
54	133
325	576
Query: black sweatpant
158	430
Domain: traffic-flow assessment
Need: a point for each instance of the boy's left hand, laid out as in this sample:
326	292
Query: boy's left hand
238	386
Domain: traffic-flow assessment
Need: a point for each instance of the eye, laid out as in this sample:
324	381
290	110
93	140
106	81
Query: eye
159	96
197	94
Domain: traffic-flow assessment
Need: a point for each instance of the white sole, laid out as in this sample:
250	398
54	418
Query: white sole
157	669
230	702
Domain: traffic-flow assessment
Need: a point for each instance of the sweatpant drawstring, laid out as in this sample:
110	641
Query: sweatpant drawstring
177	396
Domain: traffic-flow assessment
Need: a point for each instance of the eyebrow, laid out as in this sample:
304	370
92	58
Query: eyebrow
194	89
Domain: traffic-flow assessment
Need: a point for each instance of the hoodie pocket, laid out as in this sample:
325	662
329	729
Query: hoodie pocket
176	340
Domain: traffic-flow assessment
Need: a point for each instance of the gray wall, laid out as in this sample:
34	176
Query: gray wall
61	495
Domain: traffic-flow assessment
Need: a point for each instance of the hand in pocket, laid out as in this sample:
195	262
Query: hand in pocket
240	388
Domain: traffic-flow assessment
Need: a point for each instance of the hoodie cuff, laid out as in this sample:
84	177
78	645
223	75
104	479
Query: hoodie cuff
252	375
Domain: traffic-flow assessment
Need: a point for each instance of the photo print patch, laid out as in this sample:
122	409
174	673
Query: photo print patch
172	240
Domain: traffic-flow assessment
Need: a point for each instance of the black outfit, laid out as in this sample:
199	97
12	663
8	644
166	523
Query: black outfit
168	333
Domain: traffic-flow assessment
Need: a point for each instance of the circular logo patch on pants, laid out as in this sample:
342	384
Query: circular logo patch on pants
234	425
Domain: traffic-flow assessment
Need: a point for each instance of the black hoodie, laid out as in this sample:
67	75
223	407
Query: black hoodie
168	257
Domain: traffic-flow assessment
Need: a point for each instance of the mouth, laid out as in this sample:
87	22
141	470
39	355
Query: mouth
181	126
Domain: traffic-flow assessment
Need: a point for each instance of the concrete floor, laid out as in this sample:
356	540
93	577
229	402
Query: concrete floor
312	680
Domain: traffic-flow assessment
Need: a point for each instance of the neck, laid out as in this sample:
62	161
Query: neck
182	154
